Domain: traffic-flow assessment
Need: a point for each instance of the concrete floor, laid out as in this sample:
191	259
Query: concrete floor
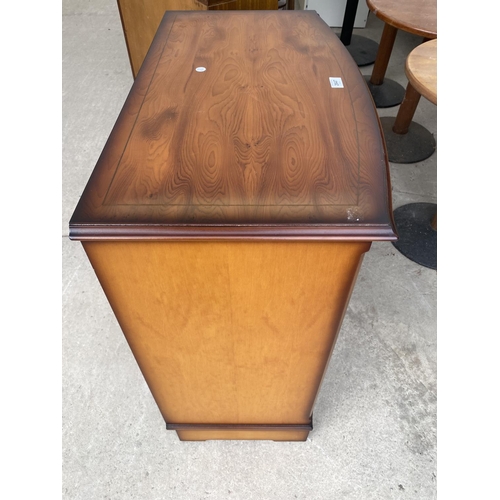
375	417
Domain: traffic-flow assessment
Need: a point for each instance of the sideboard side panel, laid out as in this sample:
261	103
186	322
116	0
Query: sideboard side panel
229	332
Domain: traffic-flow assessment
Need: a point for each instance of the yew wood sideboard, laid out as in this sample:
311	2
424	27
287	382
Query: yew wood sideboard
141	18
228	215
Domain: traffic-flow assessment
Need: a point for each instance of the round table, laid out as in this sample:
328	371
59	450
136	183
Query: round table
406	140
416	17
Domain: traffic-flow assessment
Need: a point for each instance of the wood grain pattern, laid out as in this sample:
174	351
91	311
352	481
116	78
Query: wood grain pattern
258	142
140	21
228	332
421	70
141	18
417	17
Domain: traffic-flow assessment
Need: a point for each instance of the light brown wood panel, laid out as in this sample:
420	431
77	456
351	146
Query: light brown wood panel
141	18
230	332
206	435
421	70
260	139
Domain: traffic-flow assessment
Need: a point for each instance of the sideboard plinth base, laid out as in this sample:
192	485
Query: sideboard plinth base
206	432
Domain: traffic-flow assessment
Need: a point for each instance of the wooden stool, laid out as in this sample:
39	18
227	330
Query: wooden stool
407	141
363	50
418	18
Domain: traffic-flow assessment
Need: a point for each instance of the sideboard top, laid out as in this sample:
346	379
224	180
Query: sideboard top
234	128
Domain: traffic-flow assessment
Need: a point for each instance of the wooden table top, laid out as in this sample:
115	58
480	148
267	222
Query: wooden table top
421	69
415	16
232	129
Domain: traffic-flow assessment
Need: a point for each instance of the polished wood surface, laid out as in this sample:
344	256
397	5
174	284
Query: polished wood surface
230	333
421	70
415	16
257	146
141	18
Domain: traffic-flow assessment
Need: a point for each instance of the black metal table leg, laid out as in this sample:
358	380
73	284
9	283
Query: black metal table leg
363	50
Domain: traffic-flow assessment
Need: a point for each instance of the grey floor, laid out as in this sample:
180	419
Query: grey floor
375	417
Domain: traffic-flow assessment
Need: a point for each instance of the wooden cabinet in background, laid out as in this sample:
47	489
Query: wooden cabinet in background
141	18
228	215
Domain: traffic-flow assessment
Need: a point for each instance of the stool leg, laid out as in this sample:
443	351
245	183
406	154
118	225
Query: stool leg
406	110
434	222
405	140
383	54
385	92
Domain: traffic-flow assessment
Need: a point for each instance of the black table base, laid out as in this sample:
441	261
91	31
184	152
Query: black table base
363	50
417	239
414	146
386	95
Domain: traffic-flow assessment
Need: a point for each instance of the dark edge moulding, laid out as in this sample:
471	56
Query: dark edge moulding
371	232
240	427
